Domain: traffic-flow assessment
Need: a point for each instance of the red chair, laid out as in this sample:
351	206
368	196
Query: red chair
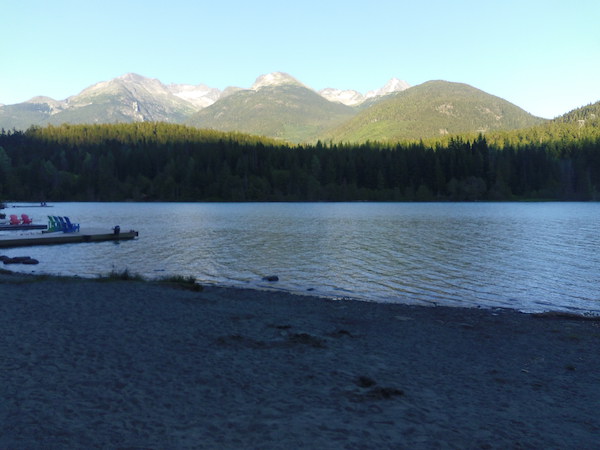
25	219
14	220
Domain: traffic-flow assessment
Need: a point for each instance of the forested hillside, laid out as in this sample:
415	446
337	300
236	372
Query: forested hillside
589	112
290	112
157	161
430	110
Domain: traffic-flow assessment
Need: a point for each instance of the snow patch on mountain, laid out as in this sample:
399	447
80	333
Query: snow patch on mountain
351	97
347	97
200	95
394	85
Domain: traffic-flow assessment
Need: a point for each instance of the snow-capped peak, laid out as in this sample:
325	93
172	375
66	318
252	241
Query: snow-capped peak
274	79
394	85
351	97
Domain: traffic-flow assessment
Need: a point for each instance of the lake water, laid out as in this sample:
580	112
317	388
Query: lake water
526	256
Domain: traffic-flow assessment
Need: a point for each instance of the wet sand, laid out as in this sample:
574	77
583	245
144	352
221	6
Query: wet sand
127	364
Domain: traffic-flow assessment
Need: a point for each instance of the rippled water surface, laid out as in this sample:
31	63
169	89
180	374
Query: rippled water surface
528	256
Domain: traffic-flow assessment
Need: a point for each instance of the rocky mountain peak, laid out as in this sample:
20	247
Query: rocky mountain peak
274	79
132	77
41	99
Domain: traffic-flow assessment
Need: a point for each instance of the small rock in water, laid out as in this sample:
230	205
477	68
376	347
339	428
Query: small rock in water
30	261
271	278
19	260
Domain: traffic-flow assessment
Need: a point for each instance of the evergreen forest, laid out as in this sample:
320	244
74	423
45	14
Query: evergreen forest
154	161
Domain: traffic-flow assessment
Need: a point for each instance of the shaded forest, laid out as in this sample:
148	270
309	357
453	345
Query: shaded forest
158	161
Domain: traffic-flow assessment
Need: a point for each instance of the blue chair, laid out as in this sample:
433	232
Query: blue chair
62	225
71	227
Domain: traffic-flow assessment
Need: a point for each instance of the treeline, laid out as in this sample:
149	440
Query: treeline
157	161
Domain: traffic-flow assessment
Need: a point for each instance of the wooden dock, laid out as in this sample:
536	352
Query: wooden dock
23	226
85	235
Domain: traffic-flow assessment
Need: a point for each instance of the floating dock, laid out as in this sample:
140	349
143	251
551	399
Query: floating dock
22	226
89	235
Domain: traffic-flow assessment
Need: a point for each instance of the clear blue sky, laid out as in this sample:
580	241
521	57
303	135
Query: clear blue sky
542	55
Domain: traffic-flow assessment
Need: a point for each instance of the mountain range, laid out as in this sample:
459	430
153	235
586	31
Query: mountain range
278	105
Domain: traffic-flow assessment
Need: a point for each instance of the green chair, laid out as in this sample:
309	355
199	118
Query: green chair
53	224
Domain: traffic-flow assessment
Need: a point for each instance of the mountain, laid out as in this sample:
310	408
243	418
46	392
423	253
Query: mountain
432	109
354	98
277	106
128	98
33	112
134	98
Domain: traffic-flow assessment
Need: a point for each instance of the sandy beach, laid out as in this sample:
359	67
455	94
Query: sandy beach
130	364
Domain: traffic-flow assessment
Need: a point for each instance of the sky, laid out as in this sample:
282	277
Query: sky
542	55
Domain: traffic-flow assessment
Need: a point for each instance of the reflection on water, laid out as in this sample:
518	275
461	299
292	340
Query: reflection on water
531	257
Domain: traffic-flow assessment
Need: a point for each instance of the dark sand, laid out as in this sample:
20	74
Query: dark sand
87	364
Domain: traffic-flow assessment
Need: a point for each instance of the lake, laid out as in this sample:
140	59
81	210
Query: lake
525	256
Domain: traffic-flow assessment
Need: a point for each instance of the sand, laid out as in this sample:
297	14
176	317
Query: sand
127	364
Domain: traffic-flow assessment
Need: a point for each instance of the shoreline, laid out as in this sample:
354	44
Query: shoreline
148	364
555	311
